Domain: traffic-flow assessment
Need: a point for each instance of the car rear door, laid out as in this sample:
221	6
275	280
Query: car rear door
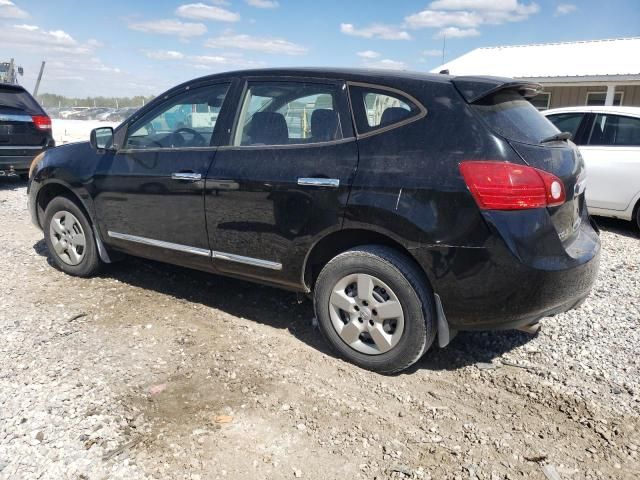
284	180
612	156
149	193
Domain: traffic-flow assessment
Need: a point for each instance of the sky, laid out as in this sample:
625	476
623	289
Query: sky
129	47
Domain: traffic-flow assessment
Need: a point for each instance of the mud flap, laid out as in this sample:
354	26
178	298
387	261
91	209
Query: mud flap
445	334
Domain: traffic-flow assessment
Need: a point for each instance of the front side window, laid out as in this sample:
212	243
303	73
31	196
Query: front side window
288	113
567	122
378	108
615	130
185	121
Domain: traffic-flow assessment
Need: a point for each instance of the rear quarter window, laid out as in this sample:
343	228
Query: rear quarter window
513	117
378	108
19	99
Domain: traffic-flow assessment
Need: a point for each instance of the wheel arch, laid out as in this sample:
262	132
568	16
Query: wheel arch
339	241
56	188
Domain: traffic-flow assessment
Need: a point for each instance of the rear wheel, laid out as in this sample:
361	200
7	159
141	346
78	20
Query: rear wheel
375	308
638	215
69	238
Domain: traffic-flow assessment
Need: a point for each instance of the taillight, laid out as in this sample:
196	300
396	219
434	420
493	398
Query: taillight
42	122
508	186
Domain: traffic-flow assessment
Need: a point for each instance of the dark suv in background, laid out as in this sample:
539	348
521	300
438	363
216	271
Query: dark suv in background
410	205
25	130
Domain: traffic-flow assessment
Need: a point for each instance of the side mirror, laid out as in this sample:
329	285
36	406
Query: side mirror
101	138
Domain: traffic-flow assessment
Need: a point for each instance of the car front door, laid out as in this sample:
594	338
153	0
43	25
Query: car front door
612	159
150	193
284	180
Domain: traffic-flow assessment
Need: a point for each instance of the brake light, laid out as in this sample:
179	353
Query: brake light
508	186
42	122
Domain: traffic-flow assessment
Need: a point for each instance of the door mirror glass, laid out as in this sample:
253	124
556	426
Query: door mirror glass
101	138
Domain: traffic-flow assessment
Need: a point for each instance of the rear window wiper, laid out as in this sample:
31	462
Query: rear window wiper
557	137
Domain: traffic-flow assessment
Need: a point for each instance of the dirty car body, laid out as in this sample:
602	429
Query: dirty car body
273	175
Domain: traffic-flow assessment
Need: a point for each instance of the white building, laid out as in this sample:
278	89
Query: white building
594	72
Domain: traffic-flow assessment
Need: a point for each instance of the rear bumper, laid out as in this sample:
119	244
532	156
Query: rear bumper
501	287
17	164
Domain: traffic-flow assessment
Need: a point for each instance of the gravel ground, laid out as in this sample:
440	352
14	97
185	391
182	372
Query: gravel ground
153	371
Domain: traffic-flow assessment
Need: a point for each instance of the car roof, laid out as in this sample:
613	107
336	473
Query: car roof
630	111
363	74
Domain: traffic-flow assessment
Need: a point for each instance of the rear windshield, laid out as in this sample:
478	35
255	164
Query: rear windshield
510	115
19	99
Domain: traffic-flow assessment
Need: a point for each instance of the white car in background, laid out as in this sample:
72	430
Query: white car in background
609	140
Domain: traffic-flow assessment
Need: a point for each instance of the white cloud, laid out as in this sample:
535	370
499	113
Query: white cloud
256	44
263	3
431	53
565	9
455	32
8	9
200	11
438	19
164	54
376	30
493	5
227	61
170	27
470	14
368	54
386	64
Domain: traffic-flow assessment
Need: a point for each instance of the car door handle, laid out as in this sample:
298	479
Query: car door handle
189	176
319	182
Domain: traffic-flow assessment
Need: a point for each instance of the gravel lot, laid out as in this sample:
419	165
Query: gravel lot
153	371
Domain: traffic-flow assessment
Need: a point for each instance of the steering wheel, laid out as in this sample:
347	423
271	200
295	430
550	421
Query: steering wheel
198	139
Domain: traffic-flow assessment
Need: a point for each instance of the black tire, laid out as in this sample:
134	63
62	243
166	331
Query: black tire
638	215
24	176
409	285
90	263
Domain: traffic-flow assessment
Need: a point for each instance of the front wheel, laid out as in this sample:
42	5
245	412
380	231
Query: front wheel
375	308
69	238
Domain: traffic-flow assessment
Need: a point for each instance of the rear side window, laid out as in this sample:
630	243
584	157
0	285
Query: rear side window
288	113
567	122
510	115
19	99
376	108
615	130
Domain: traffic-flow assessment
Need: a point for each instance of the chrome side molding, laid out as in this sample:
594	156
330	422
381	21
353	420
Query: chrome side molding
319	182
256	262
159	243
230	257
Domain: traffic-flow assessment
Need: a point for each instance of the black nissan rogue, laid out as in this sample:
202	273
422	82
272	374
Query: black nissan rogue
410	205
25	130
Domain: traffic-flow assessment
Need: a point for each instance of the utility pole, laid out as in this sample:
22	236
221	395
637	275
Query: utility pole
35	90
444	44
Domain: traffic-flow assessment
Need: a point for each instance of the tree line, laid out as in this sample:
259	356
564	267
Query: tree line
50	100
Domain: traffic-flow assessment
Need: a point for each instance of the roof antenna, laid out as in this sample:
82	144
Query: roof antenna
444	43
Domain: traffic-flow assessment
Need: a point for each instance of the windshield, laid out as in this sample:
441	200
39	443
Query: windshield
512	116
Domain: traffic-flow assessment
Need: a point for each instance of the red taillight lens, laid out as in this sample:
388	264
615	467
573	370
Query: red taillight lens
507	186
42	122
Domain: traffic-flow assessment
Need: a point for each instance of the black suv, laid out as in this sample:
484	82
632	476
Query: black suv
25	130
411	205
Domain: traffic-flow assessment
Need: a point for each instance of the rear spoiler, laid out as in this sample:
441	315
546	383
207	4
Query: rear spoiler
474	89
